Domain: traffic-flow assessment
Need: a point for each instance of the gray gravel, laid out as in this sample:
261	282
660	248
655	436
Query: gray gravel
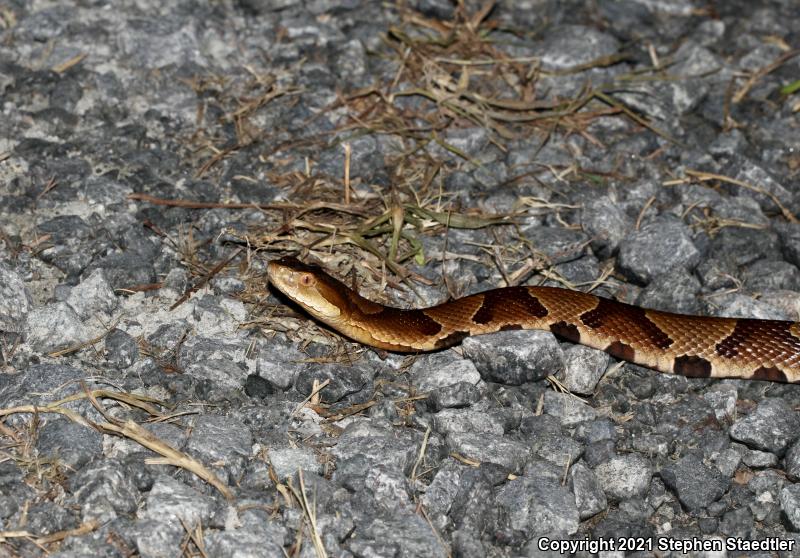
465	452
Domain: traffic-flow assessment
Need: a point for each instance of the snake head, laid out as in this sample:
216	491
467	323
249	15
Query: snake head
315	291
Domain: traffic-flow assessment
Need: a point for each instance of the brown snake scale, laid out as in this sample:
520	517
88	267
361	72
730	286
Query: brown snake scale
695	346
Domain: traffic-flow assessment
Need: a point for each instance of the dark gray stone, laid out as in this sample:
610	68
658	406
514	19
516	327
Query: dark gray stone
55	326
437	370
345	379
789	234
589	496
606	224
539	506
240	542
583	368
672	292
717	274
485	448
376	445
559	245
104	490
476	506
695	483
570	410
213	359
441	492
403	535
791	461
279	362
93	297
624	476
287	461
476	419
790	504
71	444
771	427
124	270
656	248
122	350
772	275
743	246
40	384
457	395
15	300
170	501
515	357
223	441
548	442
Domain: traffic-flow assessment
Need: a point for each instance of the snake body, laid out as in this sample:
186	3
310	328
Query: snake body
694	346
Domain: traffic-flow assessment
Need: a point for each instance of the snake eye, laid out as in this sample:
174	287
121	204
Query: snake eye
307	280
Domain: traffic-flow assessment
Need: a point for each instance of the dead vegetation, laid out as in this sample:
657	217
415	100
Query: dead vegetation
447	75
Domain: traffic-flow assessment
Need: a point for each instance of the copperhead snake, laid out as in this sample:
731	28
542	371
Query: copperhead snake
694	346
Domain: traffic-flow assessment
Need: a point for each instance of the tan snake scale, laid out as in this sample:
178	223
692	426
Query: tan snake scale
695	346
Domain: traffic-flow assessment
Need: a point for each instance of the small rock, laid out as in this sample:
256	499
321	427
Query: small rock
15	300
287	461
389	484
104	490
589	496
480	447
155	538
789	234
220	440
345	379
457	395
441	492
55	326
672	292
83	443
279	362
727	461
790	504
759	459
737	523
771	275
559	245
792	459
624	476
655	248
376	445
476	419
606	224
399	535
436	370
569	409
170	501
695	484
239	543
515	357
539	506
583	368
256	386
214	359
771	427
122	350
549	442
124	270
722	399
92	296
744	246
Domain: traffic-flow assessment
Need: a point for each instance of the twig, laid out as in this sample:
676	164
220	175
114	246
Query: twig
189	204
314	391
348	150
421	454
